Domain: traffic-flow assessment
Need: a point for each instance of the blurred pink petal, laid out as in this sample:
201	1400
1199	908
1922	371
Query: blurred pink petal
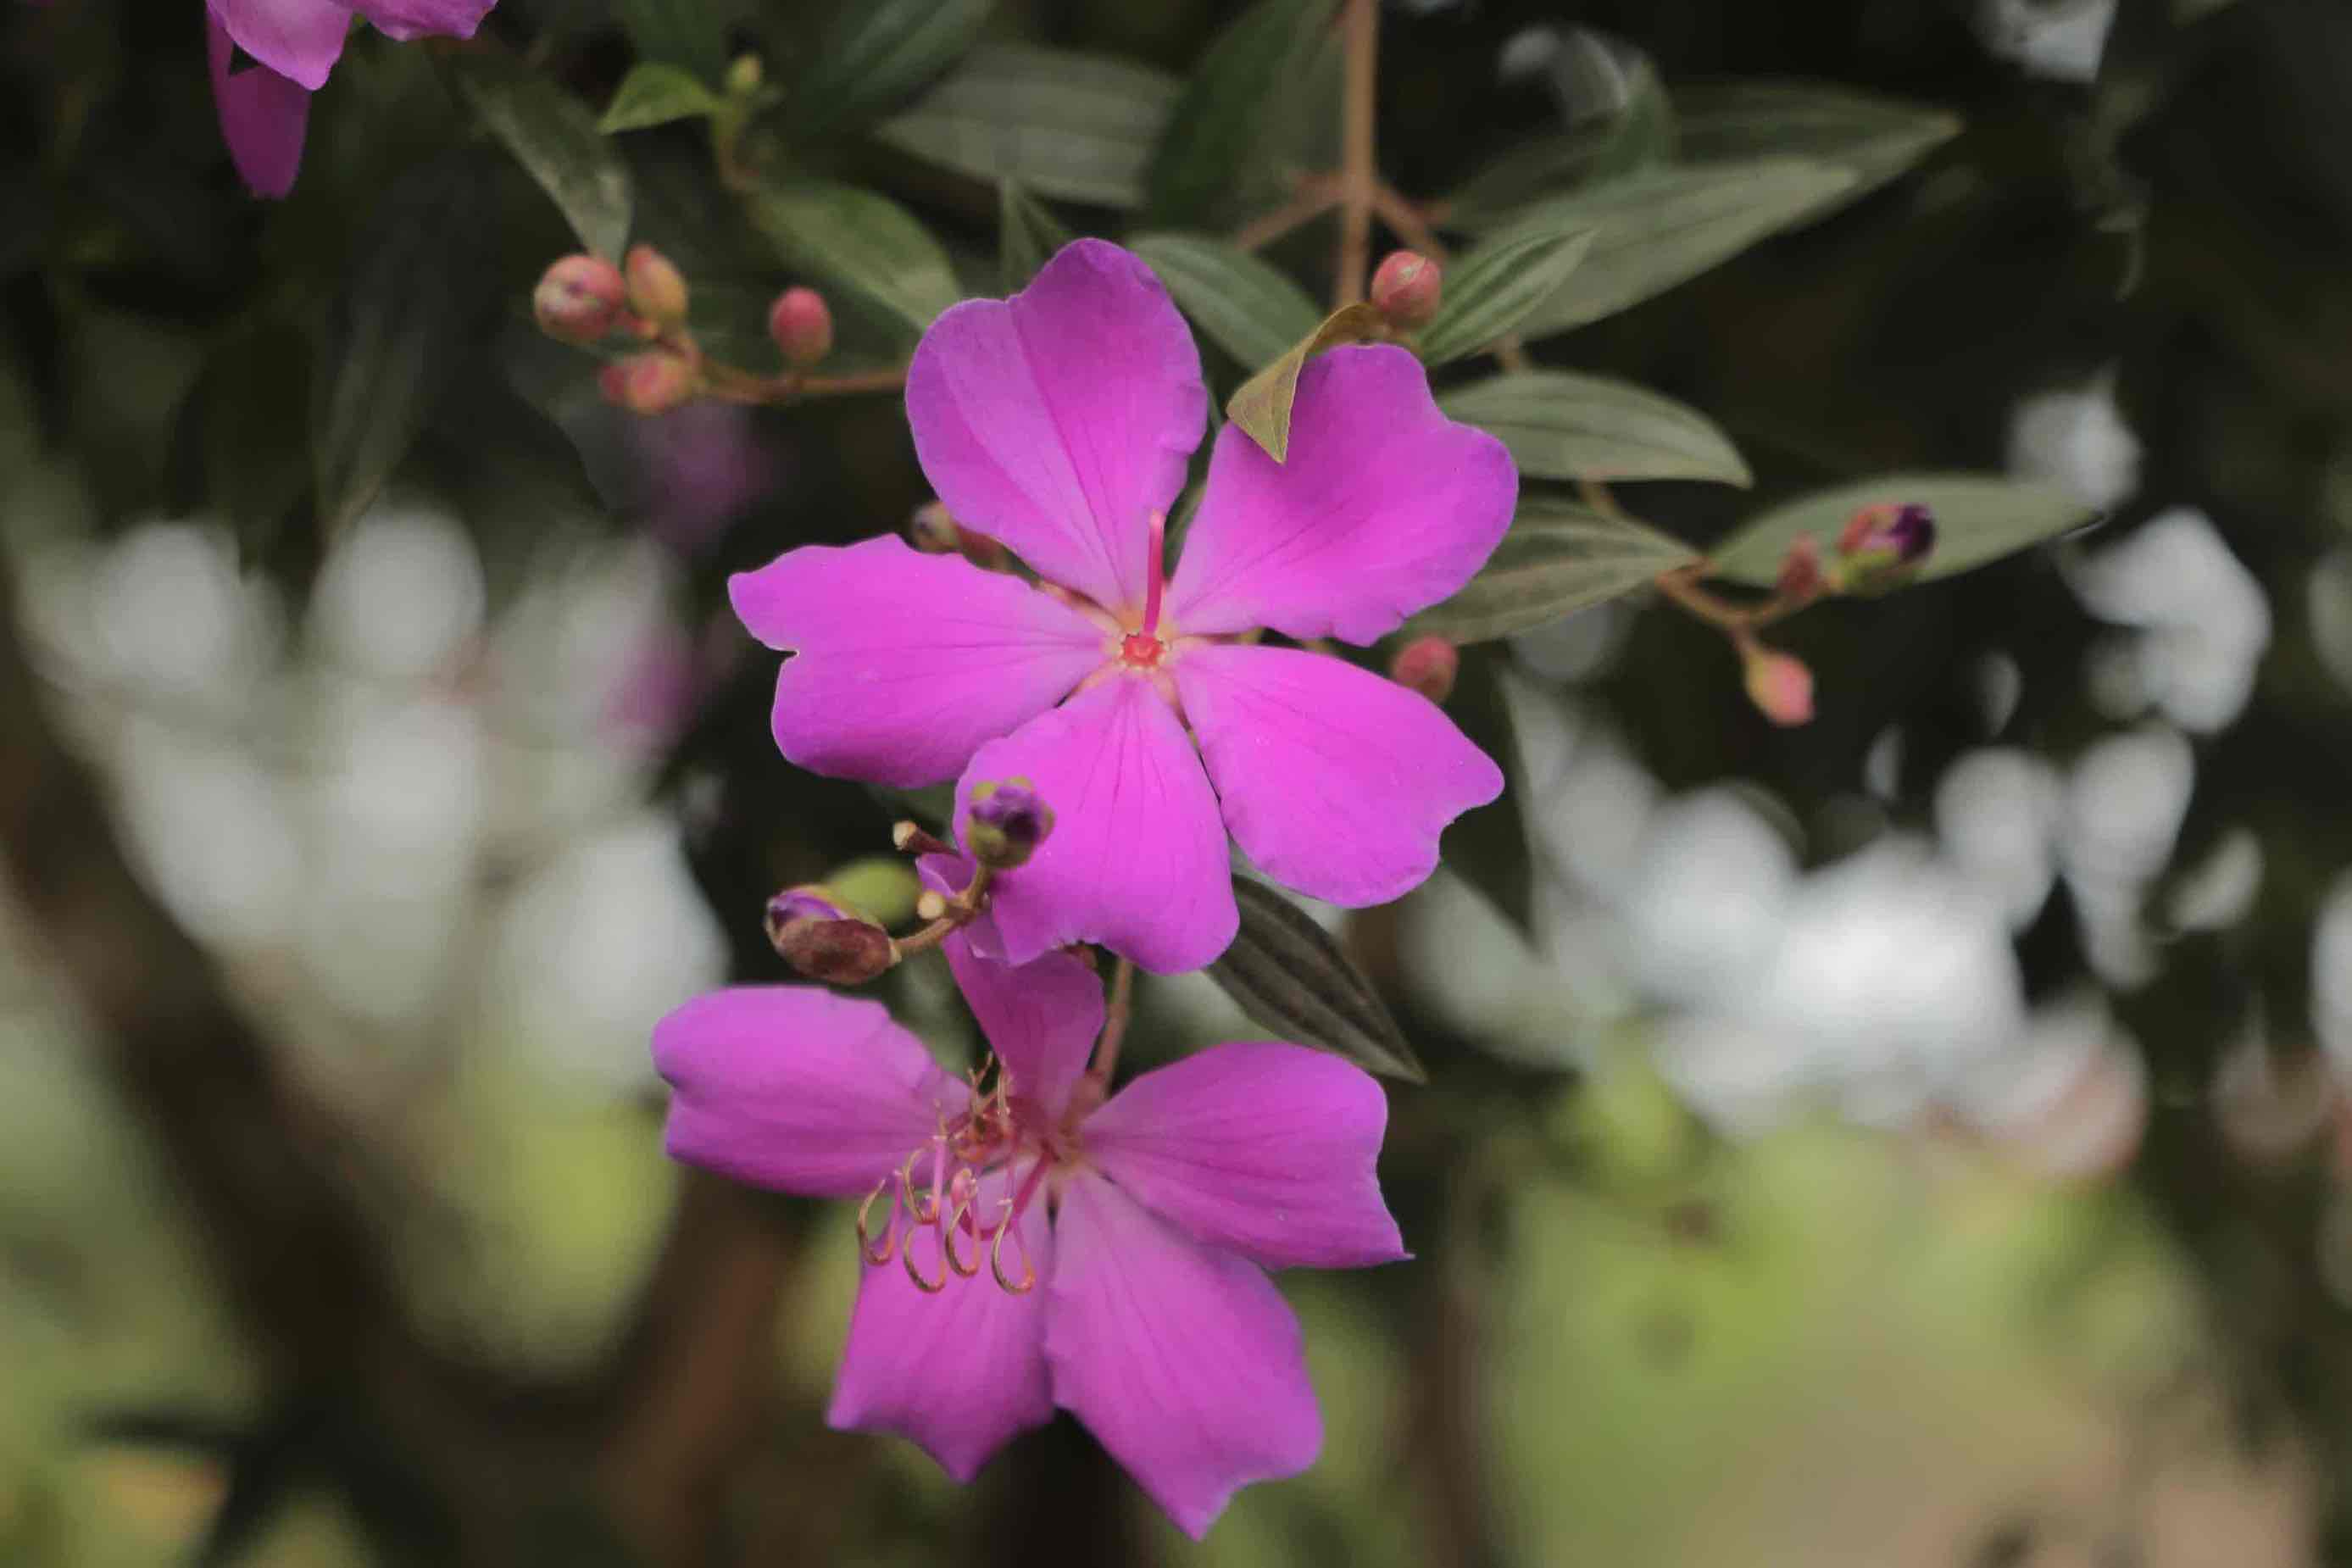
903	663
1183	1361
263	116
1041	1018
1138	860
1262	1148
407	19
1384	508
793	1087
299	39
1334	780
1058	420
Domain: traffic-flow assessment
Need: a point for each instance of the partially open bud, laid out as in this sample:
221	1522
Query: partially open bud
1780	685
819	938
651	383
1406	288
932	530
579	299
1883	545
801	324
1006	823
1428	665
656	288
1801	577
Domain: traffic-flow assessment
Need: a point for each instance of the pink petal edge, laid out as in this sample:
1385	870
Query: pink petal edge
1041	1018
263	116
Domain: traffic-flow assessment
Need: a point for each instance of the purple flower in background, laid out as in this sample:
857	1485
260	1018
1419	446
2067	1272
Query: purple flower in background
1029	1244
289	46
1059	422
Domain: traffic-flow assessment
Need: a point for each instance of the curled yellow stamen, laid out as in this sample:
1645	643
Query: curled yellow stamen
996	1256
948	1238
928	1286
873	1254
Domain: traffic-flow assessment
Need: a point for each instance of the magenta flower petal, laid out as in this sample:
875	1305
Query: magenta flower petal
904	664
263	116
1041	1018
1183	1361
1334	780
793	1087
1384	508
1264	1149
299	39
425	18
1138	859
959	1373
1057	421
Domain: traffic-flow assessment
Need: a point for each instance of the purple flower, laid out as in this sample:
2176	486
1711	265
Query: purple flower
1059	422
1029	1244
289	47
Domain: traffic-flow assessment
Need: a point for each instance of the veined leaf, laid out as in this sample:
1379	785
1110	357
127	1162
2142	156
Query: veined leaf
865	244
1244	302
876	53
1261	406
1026	236
1288	975
1562	426
654	93
1875	138
1557	557
555	139
1070	126
1492	289
1261	106
1641	135
1979	517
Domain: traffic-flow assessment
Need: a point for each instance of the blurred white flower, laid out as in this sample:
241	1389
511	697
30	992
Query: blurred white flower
401	593
2060	39
1995	812
2202	621
2076	438
176	621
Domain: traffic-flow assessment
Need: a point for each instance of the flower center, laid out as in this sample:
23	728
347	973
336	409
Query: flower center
967	1185
1141	650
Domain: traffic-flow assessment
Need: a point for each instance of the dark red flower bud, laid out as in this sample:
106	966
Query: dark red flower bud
801	324
820	939
1801	577
651	383
1428	665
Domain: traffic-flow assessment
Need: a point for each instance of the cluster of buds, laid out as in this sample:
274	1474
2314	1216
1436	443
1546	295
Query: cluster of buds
1406	288
1882	547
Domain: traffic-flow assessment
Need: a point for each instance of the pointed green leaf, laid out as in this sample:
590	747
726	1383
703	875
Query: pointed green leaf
655	94
1662	227
1488	848
1979	517
1261	107
1241	302
1261	406
1288	975
1069	126
1642	134
1561	426
864	244
1026	236
555	139
1875	138
1558	558
1490	291
876	53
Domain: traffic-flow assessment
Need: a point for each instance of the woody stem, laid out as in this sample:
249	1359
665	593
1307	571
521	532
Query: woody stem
962	910
1358	175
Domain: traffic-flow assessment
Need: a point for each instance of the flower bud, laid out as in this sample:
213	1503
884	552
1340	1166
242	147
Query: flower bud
1883	545
812	931
932	530
1428	665
578	299
656	288
652	383
743	75
1406	288
1780	685
1801	577
801	324
1006	823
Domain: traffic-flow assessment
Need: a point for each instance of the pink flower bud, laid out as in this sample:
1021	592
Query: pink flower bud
820	939
652	383
801	324
1883	545
1780	686
578	299
1406	288
656	288
1006	823
1428	665
1800	576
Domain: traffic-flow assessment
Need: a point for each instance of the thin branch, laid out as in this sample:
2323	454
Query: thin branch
1317	195
1359	171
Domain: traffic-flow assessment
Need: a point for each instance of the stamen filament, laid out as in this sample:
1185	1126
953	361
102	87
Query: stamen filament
878	1255
1156	573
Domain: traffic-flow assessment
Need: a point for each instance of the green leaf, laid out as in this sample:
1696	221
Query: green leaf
1027	235
1288	975
864	244
1979	517
1663	226
687	33
1561	426
1558	558
1491	290
245	421
1241	302
1261	106
1069	126
876	53
1261	406
1487	847
1643	133
657	94
409	314
555	139
1875	138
